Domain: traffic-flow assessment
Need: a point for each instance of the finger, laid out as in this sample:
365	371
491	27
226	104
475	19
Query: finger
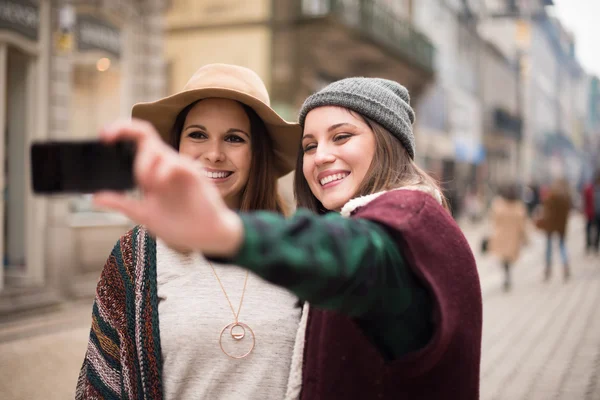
132	208
166	174
134	130
146	164
178	171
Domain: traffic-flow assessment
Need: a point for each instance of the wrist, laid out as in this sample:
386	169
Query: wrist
232	236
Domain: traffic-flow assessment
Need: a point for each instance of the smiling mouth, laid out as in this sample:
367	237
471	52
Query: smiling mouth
217	174
333	178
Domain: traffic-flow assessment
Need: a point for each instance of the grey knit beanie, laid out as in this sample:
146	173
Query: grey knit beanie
385	102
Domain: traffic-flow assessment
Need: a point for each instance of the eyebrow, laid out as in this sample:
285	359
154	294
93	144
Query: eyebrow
202	127
331	128
195	126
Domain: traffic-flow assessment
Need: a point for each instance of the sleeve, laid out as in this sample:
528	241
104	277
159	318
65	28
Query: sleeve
349	265
336	263
100	376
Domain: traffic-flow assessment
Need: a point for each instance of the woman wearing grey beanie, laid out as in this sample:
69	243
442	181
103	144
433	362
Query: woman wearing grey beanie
392	301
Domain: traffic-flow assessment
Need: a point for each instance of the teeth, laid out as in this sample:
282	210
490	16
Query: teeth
217	175
334	177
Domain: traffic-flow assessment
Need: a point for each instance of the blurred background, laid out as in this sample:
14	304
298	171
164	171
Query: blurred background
505	92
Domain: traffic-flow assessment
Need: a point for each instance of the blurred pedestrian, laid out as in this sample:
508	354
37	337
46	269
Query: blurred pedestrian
591	208
553	220
473	204
531	197
508	216
159	308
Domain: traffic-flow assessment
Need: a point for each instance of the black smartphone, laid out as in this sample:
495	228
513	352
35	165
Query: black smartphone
81	166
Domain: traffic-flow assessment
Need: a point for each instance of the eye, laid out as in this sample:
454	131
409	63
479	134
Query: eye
342	136
234	139
197	135
309	147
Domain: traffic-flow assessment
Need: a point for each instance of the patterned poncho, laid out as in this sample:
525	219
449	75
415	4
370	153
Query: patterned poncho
125	365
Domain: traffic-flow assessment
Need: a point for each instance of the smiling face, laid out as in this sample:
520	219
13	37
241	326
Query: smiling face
338	148
217	133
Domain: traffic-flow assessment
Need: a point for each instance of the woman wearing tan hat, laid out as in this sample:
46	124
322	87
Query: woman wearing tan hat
175	325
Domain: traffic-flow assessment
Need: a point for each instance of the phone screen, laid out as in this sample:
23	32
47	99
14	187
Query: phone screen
81	167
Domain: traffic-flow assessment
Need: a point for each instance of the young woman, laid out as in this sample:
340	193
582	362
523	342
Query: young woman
554	220
591	209
395	301
156	320
509	223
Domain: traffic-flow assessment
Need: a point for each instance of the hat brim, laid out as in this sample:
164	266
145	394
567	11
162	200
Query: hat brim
285	136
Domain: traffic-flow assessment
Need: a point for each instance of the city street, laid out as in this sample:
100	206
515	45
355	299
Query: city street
541	340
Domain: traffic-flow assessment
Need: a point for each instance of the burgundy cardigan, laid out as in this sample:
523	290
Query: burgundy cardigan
340	362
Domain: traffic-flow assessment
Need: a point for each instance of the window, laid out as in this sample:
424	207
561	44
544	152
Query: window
315	7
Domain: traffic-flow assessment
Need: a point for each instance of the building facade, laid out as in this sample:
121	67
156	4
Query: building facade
551	82
591	88
66	68
556	121
502	120
449	114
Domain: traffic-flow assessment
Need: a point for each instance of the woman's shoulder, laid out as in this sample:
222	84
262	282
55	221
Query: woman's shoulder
407	199
135	243
400	209
120	273
134	237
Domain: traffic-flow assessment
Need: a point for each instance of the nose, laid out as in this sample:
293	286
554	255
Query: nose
213	152
323	155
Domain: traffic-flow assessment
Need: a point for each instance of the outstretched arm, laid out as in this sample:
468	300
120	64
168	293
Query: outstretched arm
352	266
347	265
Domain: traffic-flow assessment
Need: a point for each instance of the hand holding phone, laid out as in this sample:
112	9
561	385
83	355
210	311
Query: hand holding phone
81	166
179	204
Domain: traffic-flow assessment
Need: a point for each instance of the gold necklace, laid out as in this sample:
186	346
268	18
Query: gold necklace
236	324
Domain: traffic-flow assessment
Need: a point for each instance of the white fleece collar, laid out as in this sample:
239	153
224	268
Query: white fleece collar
361	201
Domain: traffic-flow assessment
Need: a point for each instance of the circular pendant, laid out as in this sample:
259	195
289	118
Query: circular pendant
237	331
237	334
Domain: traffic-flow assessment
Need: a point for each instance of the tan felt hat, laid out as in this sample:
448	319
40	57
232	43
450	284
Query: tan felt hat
228	82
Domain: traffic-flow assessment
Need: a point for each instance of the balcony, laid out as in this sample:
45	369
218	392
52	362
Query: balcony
319	41
374	22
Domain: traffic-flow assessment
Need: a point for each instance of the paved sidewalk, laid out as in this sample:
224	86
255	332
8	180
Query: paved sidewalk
40	356
540	341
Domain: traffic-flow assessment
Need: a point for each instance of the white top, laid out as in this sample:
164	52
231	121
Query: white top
192	312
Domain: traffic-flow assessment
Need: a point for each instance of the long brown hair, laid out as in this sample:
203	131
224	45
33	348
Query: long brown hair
390	168
260	192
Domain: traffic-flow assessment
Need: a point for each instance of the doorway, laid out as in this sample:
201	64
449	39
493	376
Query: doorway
15	122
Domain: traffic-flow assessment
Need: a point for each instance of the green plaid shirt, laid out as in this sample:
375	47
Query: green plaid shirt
352	266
